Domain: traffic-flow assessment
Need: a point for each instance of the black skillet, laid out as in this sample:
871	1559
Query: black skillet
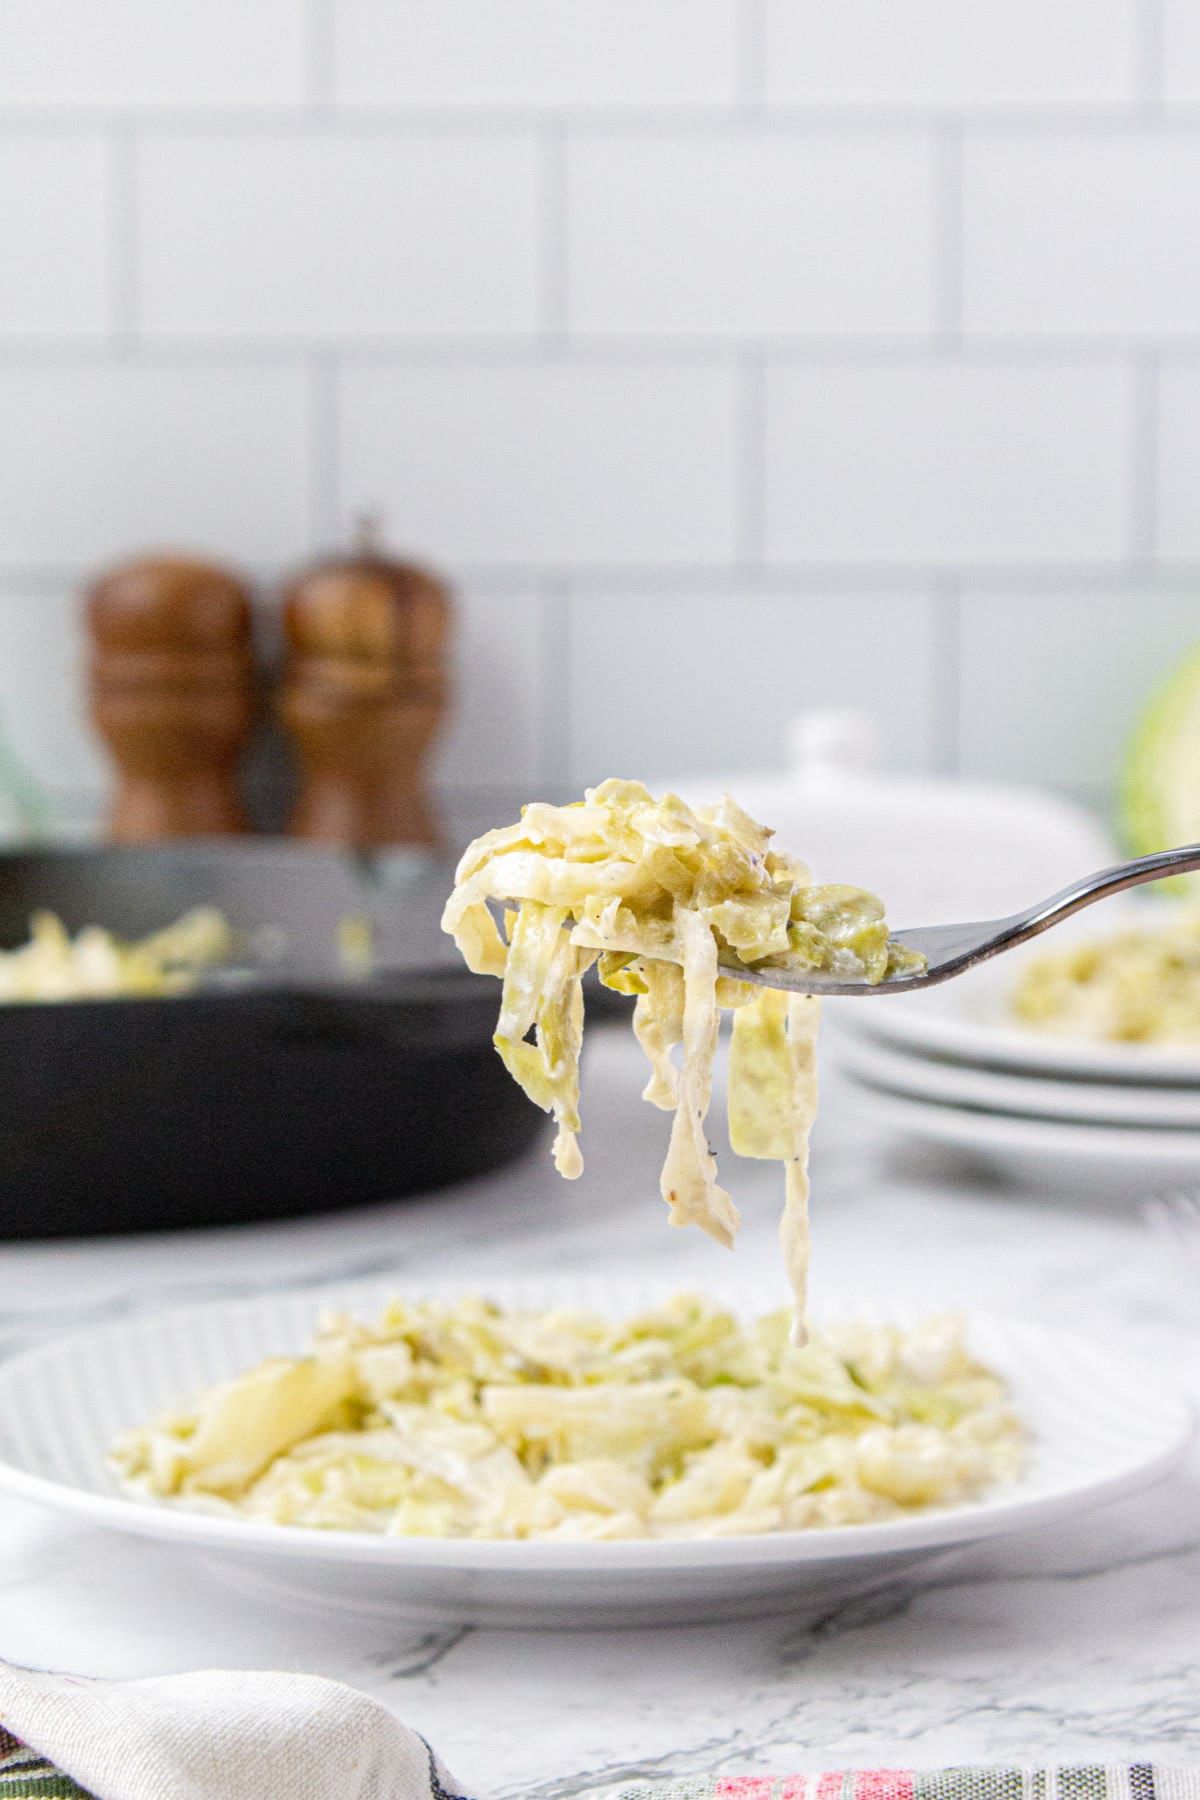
293	1088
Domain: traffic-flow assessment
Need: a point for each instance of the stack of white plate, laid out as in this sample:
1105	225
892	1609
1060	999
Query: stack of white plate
954	1067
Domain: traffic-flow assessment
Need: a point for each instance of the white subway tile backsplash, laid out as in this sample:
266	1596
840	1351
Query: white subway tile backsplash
494	734
1082	233
1181	50
727	234
547	463
628	312
536	52
43	699
1177	461
1053	683
681	708
1001	461
291	234
54	261
949	54
151	53
97	460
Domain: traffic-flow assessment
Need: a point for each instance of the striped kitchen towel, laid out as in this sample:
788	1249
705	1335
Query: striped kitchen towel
25	1775
217	1734
1080	1781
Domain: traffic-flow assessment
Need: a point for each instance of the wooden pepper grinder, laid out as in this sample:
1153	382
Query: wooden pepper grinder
172	694
362	693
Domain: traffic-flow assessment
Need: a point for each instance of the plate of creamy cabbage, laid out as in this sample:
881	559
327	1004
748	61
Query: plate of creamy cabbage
588	1452
1121	1004
1075	1069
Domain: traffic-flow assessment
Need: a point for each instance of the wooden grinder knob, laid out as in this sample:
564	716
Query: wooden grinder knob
172	694
362	694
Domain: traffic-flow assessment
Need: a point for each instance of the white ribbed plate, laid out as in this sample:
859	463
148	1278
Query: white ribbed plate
1100	1429
1150	1105
1101	1162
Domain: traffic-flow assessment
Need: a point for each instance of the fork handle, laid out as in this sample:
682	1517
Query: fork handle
960	948
1072	899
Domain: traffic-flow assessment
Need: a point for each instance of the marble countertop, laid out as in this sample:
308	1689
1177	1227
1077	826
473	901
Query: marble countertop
1080	1642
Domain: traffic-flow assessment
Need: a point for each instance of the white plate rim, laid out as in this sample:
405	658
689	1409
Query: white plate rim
886	1064
1024	1132
1003	1511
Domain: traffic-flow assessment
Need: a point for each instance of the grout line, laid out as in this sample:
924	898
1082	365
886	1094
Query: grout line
750	466
323	471
947	237
122	239
1143	453
69	355
946	686
1148	53
435	352
555	751
687	580
553	280
319	58
723	119
751	53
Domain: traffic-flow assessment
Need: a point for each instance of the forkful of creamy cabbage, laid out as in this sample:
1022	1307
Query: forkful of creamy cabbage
679	908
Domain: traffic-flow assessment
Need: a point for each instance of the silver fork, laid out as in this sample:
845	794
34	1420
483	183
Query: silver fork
951	950
1174	1219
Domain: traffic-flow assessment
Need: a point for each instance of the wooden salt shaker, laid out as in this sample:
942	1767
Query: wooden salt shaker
172	694
362	693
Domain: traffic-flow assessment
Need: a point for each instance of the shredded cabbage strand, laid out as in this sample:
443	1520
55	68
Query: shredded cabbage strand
671	902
